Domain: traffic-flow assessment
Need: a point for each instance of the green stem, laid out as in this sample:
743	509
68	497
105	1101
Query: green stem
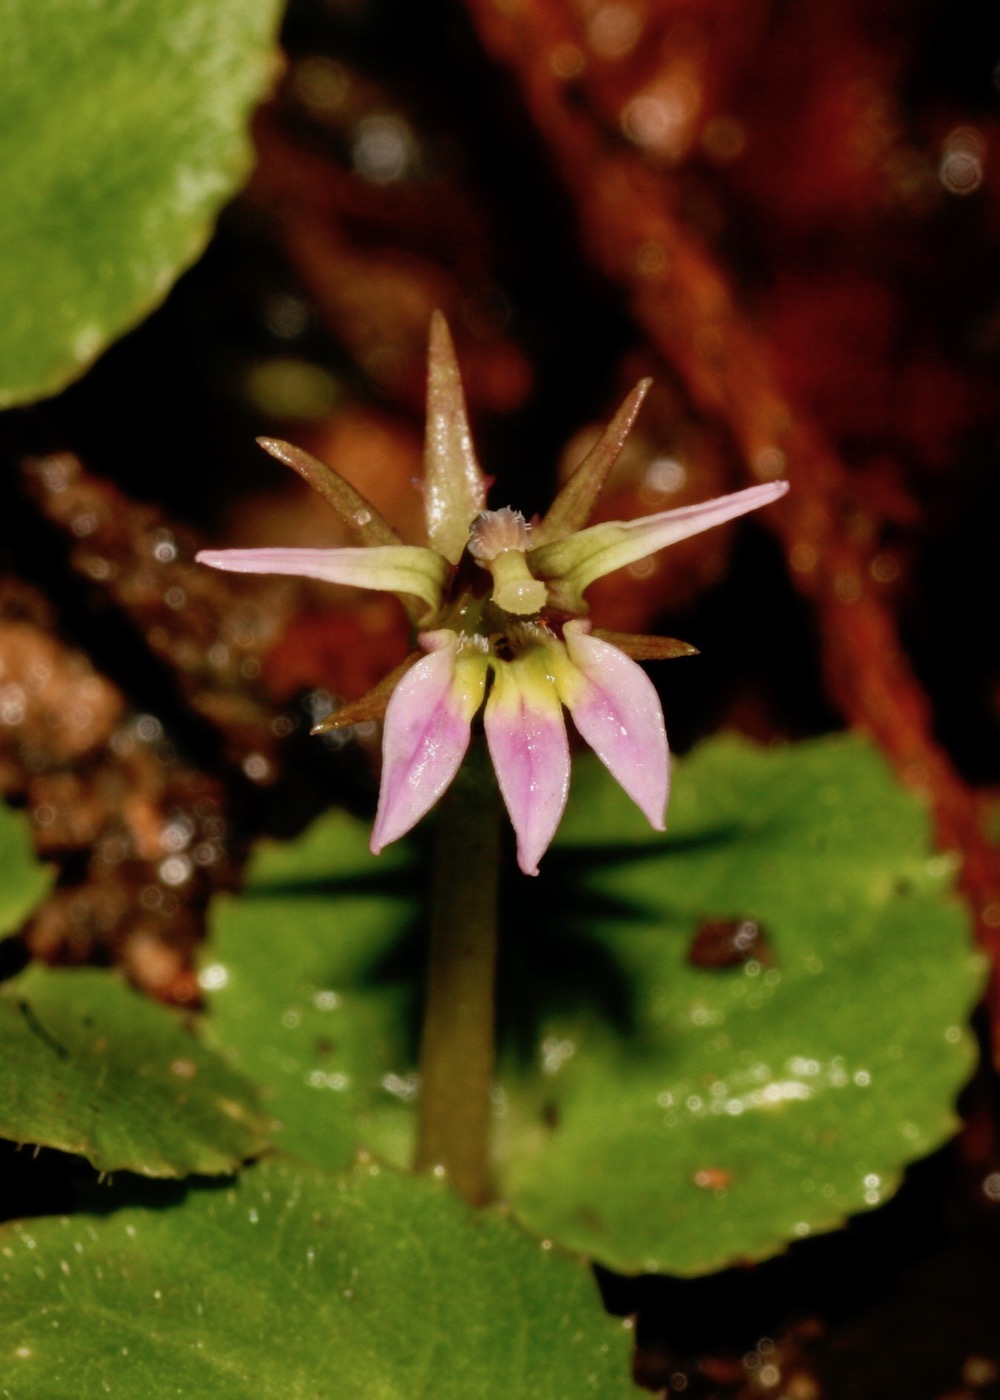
457	1050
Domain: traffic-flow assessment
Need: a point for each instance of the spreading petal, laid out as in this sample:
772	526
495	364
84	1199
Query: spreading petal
398	568
576	561
617	710
527	740
427	730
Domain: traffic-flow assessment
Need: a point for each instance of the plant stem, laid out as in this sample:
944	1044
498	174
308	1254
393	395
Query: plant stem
457	1050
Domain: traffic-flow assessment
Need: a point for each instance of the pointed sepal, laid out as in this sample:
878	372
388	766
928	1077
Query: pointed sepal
645	648
372	705
359	517
571	508
454	486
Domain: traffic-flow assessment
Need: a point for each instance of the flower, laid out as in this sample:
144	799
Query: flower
501	619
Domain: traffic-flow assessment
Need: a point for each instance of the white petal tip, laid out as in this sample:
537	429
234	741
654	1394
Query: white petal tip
233	561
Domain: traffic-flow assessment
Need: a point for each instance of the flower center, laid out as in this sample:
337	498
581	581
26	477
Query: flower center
497	542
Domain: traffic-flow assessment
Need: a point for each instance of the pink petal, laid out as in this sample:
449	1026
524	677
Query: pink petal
615	707
527	740
398	568
426	734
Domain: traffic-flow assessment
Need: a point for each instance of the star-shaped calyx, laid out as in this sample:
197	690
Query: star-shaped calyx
501	620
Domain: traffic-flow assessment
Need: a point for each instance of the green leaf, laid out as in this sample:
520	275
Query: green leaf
24	880
88	1066
291	1285
122	133
304	994
756	1104
656	1114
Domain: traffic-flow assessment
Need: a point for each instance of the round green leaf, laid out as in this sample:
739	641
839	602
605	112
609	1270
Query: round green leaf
291	1285
754	1104
122	132
24	880
657	1114
88	1066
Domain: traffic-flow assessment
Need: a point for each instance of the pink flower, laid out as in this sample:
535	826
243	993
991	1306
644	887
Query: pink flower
499	608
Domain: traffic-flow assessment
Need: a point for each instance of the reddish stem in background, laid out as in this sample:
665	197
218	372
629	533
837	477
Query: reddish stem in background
684	302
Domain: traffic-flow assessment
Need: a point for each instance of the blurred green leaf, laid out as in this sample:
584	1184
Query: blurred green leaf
656	1114
123	130
88	1066
23	878
292	1285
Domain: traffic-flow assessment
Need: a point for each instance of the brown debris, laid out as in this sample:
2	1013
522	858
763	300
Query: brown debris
54	708
213	635
142	840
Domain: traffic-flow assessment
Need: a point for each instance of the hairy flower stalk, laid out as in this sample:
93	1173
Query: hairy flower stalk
501	625
501	621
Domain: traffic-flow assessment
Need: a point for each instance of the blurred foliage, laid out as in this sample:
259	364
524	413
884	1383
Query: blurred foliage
122	131
25	880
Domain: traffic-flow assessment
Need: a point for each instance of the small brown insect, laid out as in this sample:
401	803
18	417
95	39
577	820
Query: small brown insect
728	943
